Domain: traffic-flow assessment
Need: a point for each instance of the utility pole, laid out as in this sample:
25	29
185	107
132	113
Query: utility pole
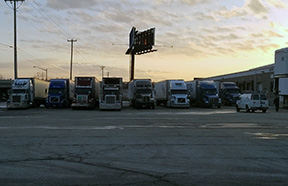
102	68
72	41
15	36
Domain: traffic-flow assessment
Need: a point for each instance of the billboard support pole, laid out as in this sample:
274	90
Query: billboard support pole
132	66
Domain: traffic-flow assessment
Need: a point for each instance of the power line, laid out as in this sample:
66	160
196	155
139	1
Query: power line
50	20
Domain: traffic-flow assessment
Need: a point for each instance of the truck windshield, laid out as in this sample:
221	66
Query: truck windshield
113	92
210	91
19	91
83	91
263	97
233	91
145	91
178	91
56	91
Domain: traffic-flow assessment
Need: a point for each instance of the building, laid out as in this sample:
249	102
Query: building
259	79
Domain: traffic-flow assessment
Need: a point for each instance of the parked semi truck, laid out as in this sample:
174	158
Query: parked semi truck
27	92
60	93
141	93
172	93
229	92
203	93
111	93
86	92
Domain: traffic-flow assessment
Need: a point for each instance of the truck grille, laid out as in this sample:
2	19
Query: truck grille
213	100
82	99
54	99
110	99
16	99
146	99
181	100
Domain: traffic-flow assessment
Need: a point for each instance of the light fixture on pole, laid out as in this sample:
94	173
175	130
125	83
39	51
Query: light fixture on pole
45	69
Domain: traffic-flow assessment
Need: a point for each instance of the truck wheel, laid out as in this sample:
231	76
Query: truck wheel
264	110
247	108
237	108
158	103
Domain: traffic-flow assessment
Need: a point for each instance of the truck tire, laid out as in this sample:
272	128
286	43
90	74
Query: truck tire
247	108
264	110
237	108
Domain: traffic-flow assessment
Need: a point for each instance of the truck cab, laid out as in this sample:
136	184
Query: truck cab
204	93
111	94
59	93
178	94
229	93
21	94
141	93
86	92
208	94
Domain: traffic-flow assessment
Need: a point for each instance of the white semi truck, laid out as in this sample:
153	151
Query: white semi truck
281	76
111	94
172	93
141	93
27	92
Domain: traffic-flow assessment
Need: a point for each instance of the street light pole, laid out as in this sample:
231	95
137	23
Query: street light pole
102	68
45	69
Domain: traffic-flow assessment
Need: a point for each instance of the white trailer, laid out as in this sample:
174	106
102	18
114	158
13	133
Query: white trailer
281	76
141	93
28	92
172	93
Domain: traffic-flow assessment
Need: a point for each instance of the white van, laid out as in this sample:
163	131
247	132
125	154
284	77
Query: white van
252	102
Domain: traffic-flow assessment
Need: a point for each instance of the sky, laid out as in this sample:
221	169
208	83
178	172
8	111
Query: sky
193	38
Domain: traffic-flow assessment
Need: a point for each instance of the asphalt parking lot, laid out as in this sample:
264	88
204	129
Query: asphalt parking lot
164	146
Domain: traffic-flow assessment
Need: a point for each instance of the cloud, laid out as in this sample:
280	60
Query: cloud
257	7
267	34
277	4
194	2
68	4
204	16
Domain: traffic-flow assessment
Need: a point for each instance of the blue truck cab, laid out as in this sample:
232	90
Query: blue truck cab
203	93
207	94
59	94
